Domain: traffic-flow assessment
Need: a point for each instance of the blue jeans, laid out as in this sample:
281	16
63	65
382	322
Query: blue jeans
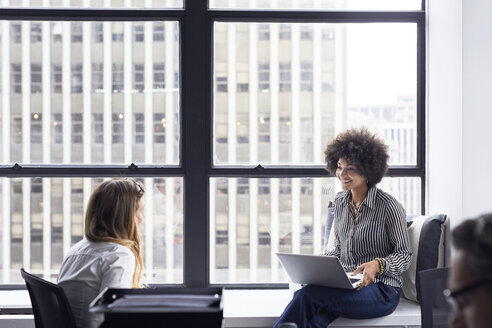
317	306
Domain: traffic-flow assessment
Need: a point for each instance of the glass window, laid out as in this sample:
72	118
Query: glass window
36	32
77	128
284	77
118	77
344	86
16	78
36	128
100	4
281	89
162	228
317	5
16	31
56	32
56	80
264	32
139	128
285	32
57	128
76	32
138	77
252	219
221	82
98	29
159	32
138	33
264	77
117	32
242	81
98	128
97	77
306	76
36	81
118	130
77	78
159	128
159	77
306	32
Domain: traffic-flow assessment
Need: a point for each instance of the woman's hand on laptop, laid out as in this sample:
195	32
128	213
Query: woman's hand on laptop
369	270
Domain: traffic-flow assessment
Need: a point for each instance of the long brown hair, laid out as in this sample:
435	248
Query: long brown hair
110	217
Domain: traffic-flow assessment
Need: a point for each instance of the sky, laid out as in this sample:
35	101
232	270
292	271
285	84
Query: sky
388	66
381	62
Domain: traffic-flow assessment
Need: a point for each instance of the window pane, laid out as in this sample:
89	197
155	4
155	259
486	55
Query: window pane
316	5
45	217
96	4
280	97
87	86
252	219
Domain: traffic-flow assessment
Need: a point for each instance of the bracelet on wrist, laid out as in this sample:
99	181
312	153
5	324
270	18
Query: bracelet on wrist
380	262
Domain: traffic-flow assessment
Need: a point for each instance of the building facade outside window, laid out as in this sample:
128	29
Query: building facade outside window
138	77
77	78
97	30
36	80
36	33
264	77
56	78
16	32
16	78
159	76
118	77
159	32
76	32
36	128
285	77
97	77
138	33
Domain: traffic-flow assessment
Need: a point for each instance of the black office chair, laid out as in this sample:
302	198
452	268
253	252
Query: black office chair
49	303
434	309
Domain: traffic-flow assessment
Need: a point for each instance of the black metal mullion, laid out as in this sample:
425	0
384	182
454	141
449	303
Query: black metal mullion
196	66
317	16
84	14
297	172
53	171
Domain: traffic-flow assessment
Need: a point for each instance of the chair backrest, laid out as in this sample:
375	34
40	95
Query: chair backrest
429	246
434	309
49	303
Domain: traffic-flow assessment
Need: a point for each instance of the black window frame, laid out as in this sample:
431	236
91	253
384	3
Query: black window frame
196	107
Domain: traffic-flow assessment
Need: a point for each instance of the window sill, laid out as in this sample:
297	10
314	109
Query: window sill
261	308
242	308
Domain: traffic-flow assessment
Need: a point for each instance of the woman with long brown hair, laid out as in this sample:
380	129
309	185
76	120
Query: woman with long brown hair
109	255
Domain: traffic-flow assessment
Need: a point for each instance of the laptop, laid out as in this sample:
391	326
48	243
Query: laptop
318	270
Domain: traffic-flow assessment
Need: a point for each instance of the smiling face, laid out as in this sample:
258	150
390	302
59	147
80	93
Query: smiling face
349	176
139	213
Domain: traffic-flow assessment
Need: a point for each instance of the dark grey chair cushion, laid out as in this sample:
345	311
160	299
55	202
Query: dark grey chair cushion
427	236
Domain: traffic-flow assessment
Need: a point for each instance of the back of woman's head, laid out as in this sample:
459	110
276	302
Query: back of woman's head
111	217
111	211
474	236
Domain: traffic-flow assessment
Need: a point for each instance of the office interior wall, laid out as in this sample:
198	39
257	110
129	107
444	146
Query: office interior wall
444	109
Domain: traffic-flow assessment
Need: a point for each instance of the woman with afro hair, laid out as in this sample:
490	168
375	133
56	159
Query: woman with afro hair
370	234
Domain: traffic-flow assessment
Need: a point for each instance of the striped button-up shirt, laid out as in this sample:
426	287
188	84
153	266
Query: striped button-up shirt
379	229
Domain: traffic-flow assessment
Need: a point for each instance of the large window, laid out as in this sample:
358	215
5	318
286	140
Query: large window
222	114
